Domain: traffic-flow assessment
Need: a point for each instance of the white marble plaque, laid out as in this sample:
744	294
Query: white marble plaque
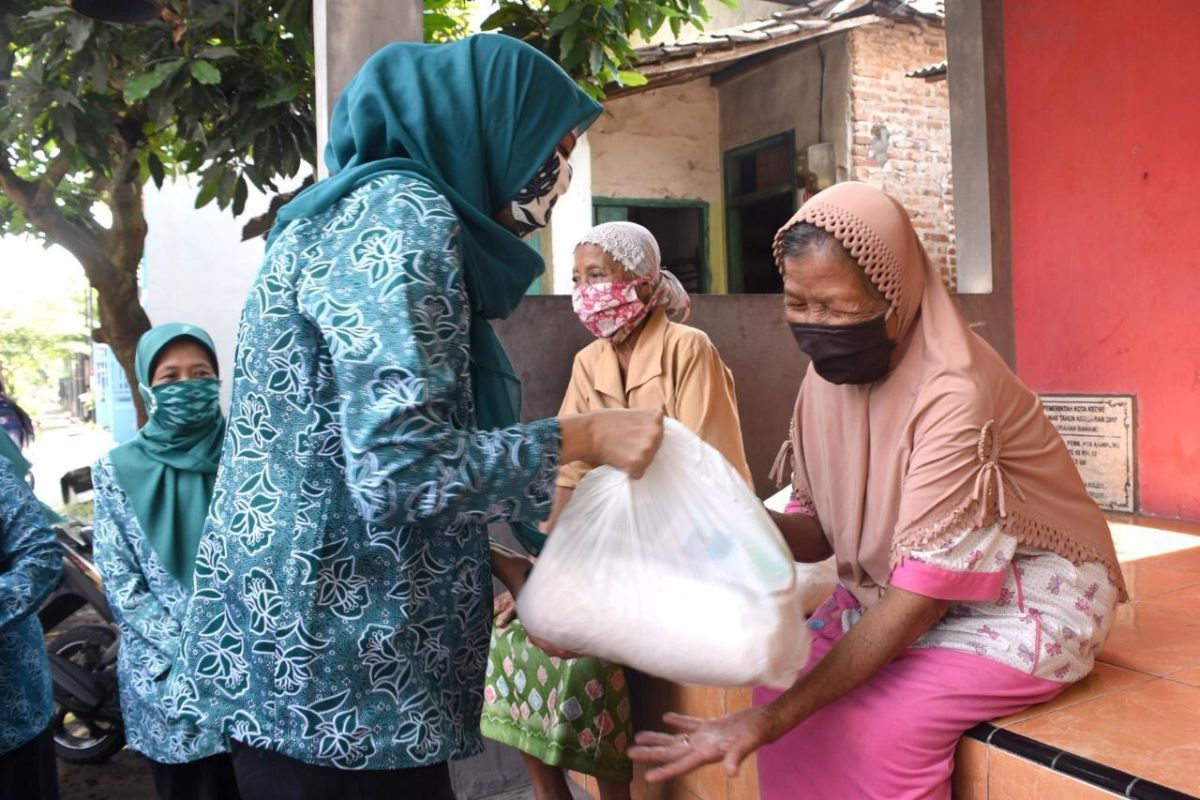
1100	432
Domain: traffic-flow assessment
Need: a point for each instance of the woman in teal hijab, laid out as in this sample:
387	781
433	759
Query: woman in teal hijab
339	629
151	497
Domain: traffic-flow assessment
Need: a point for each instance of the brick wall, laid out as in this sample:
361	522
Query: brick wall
901	129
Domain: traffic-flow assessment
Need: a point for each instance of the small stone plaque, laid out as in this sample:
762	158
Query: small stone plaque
1100	432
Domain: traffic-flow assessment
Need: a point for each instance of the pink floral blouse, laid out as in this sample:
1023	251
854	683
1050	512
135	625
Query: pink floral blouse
1029	609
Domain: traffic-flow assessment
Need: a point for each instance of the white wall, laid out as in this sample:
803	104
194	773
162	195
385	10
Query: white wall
664	144
572	217
197	268
661	143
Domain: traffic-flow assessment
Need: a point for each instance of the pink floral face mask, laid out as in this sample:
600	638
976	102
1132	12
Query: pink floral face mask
611	310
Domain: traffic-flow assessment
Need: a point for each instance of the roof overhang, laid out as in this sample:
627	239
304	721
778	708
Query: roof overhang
666	65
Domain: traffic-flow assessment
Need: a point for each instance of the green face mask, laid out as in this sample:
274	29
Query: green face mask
185	405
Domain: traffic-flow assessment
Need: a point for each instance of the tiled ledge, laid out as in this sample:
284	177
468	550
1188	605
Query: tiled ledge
1132	727
1024	781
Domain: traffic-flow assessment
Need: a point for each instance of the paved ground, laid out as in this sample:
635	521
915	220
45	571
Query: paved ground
127	777
61	446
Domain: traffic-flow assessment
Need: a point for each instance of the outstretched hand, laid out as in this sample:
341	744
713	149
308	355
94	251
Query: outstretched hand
729	739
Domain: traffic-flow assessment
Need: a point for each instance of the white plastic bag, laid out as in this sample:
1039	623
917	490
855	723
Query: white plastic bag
681	574
817	581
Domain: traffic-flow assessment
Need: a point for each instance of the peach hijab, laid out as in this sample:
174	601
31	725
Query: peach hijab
948	439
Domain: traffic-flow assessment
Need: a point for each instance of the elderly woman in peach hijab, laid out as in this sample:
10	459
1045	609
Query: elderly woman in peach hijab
977	577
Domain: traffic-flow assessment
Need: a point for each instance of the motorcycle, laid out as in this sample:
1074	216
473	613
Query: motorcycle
87	723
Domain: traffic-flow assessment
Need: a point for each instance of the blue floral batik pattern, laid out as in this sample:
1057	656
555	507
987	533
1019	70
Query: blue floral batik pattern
343	590
164	720
30	565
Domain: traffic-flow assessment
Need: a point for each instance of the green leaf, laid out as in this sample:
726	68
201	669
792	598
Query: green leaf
99	78
65	98
631	78
225	193
141	86
214	53
596	58
45	13
506	15
156	170
566	19
208	190
78	32
571	61
284	94
559	6
239	197
205	72
567	42
67	125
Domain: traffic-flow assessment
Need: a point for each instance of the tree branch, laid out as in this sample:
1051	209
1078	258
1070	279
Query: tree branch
49	219
49	182
262	224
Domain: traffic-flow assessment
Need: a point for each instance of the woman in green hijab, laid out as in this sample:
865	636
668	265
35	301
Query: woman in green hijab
340	625
151	498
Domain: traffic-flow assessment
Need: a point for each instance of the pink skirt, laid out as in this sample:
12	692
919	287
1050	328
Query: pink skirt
894	737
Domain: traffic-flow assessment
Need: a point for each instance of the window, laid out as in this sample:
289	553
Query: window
760	189
680	226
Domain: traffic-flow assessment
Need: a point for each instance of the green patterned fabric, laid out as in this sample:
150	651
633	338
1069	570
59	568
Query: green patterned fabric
169	468
569	713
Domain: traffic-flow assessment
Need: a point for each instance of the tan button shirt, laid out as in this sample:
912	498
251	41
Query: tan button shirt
673	367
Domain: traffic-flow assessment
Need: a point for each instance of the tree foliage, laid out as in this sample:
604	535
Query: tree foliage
220	91
36	342
593	40
447	20
91	111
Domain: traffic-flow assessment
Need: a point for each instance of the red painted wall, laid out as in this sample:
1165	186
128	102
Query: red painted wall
1104	138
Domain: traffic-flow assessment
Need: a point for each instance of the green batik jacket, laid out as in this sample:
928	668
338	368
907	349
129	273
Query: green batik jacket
343	588
149	604
30	566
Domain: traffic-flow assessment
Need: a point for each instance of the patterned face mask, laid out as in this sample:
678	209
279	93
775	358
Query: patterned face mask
532	206
611	310
185	405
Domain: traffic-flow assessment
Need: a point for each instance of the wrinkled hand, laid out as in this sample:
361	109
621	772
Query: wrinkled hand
504	610
729	739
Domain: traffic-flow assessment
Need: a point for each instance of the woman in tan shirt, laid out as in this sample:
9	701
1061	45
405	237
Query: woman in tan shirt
575	713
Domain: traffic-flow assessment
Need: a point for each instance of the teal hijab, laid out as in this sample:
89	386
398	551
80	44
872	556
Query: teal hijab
169	468
12	454
476	119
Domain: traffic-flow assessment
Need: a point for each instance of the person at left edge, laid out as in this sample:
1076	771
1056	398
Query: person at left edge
30	566
151	497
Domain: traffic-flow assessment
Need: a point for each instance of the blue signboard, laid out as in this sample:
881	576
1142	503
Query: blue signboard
115	411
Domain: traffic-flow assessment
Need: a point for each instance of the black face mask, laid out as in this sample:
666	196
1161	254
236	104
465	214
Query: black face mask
859	353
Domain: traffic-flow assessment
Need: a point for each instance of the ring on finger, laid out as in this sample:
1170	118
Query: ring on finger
687	742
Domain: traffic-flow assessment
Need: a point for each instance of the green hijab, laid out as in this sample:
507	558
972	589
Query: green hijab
13	455
166	470
475	118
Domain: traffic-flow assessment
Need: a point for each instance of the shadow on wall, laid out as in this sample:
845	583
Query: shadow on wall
543	337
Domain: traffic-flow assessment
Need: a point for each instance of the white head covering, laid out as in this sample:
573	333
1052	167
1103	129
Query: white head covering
636	249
